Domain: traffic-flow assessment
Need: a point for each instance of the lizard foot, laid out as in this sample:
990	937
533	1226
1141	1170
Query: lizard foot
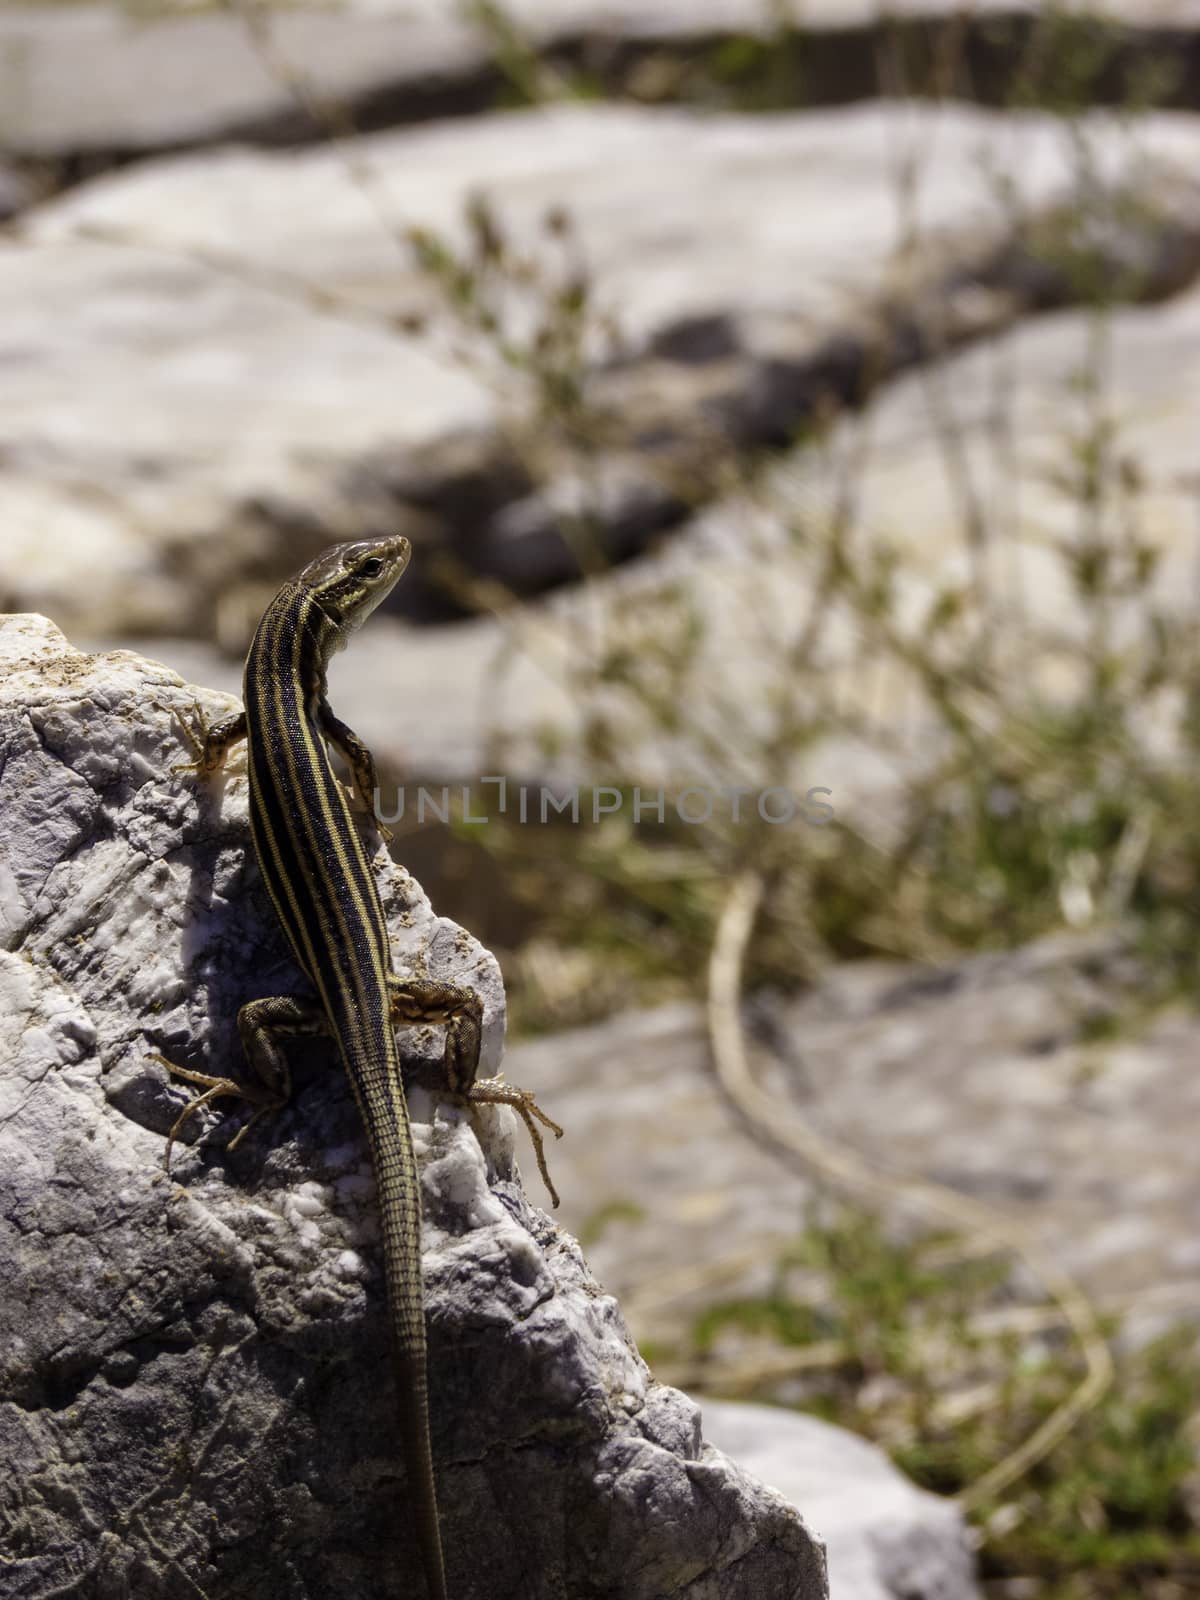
495	1091
214	1089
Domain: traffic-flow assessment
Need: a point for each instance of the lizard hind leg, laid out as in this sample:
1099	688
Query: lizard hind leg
261	1024
425	1000
495	1091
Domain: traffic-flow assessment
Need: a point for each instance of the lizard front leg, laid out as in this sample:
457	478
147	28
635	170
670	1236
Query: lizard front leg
210	744
261	1024
358	758
426	1000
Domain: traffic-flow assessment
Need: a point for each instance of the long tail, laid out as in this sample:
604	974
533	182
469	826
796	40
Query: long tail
386	1117
418	1458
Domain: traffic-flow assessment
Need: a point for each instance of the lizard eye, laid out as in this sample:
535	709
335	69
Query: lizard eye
371	568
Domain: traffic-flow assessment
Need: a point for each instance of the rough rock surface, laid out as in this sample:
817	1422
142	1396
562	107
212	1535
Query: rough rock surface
994	1075
105	81
885	1538
186	420
193	1389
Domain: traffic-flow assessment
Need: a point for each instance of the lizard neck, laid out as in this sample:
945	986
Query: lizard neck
295	640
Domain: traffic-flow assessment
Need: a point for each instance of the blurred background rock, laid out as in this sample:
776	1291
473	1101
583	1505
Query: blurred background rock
779	396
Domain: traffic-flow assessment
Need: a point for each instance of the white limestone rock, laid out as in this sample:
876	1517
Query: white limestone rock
885	1538
183	430
1020	408
99	79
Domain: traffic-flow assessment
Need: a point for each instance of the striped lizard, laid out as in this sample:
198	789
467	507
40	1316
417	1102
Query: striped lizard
319	879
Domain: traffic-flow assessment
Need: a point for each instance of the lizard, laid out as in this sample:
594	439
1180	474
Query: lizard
317	873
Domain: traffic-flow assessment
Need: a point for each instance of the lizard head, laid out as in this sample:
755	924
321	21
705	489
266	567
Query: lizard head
350	580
